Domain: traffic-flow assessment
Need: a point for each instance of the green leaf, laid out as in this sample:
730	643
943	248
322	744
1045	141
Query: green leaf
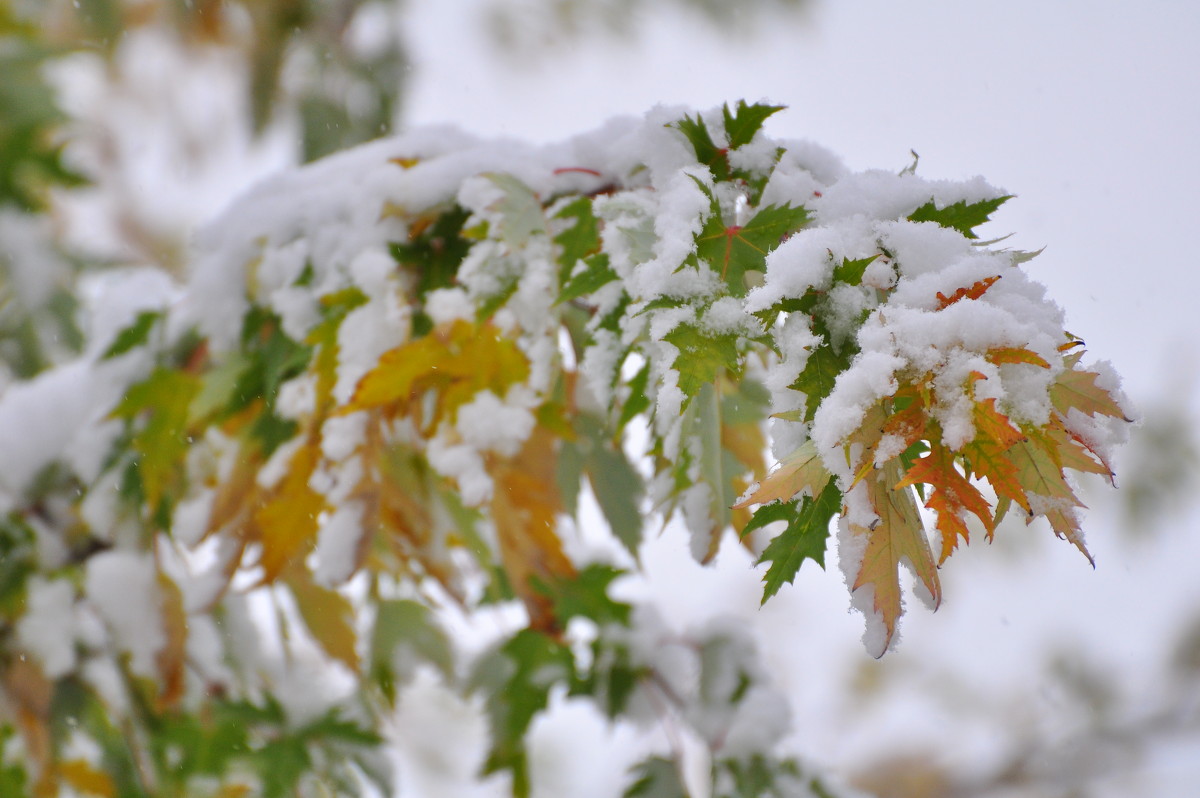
819	375
585	595
803	538
851	272
734	250
516	680
579	240
435	253
960	216
741	126
596	275
657	777
638	401
706	151
701	356
520	210
161	442
618	489
133	335
409	627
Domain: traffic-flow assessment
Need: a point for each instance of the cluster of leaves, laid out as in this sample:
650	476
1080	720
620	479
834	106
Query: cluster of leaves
365	500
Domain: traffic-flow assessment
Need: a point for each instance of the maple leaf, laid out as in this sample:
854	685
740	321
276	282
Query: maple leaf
1076	389
706	150
746	121
951	498
961	216
973	291
701	356
595	274
734	250
455	362
580	240
819	376
802	539
897	535
161	443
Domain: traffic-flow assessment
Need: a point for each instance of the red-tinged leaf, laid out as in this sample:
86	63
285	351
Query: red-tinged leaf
171	658
288	521
1065	523
328	615
1013	354
898	535
993	425
987	459
951	498
1077	389
800	471
1037	472
973	291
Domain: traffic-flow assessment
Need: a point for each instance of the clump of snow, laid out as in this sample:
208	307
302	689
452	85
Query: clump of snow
47	629
123	587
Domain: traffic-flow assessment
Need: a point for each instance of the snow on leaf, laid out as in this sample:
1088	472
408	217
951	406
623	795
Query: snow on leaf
578	241
897	535
596	274
520	210
819	376
656	777
802	539
410	627
850	272
961	216
734	250
1076	389
706	150
800	471
701	356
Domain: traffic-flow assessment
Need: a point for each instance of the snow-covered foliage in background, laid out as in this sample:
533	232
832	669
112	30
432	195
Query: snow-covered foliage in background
377	407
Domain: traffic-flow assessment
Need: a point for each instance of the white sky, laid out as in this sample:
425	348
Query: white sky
1090	113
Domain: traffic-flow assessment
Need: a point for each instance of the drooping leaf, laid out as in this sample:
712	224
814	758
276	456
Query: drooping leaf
656	777
579	241
897	536
288	521
802	539
406	631
1076	389
951	497
328	615
962	216
618	489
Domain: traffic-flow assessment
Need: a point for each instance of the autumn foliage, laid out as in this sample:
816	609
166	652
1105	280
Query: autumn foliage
397	378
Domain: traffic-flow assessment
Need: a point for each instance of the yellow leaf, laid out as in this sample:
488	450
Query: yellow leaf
328	615
801	470
898	535
1077	389
288	521
85	778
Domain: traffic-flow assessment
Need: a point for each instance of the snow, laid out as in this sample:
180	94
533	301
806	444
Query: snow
123	587
47	629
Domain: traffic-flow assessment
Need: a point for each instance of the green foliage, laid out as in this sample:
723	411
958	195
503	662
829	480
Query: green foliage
802	539
962	216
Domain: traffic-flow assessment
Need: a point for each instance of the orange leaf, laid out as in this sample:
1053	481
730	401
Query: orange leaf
171	657
801	470
525	506
898	535
952	496
986	459
1012	354
994	425
973	291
